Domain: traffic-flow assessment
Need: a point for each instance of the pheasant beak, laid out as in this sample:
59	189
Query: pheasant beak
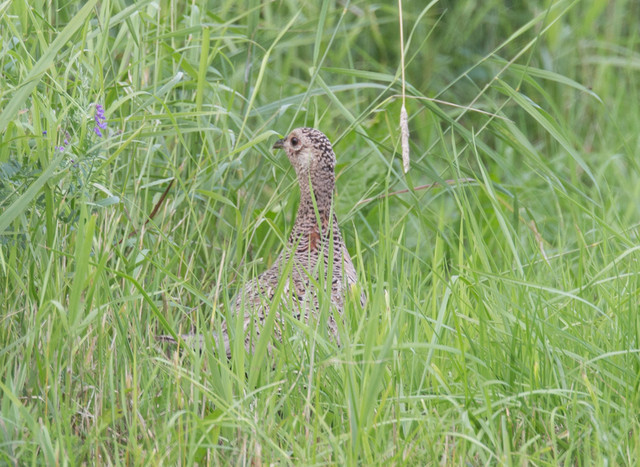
279	144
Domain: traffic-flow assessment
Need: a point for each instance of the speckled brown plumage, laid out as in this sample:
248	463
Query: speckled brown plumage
315	247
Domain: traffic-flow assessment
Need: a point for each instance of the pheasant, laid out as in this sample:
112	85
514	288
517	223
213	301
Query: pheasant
314	248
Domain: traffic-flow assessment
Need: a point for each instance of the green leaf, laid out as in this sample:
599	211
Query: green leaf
43	64
21	204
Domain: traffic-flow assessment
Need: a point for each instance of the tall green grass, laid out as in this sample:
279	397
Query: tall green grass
502	318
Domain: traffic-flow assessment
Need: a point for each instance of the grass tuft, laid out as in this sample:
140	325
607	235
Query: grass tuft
501	271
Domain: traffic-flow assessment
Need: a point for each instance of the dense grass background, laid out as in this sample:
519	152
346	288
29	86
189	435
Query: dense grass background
502	323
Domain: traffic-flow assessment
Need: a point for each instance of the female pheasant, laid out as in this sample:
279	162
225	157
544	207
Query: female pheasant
314	255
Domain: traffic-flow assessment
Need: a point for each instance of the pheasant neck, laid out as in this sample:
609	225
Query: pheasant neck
320	190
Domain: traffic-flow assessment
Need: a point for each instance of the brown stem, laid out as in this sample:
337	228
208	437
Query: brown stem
156	208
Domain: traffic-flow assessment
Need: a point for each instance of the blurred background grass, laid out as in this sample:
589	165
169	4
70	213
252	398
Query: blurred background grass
502	318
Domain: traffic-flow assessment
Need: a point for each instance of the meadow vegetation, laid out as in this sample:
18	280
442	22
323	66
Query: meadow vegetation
139	191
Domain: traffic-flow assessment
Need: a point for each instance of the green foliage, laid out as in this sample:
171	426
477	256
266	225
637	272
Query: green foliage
501	324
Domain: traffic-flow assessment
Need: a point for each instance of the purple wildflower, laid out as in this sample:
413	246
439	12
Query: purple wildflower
100	120
44	133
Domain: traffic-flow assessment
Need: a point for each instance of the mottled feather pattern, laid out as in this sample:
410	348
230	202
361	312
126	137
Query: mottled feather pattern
315	245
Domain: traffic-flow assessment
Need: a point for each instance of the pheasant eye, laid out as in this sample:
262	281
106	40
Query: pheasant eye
294	141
